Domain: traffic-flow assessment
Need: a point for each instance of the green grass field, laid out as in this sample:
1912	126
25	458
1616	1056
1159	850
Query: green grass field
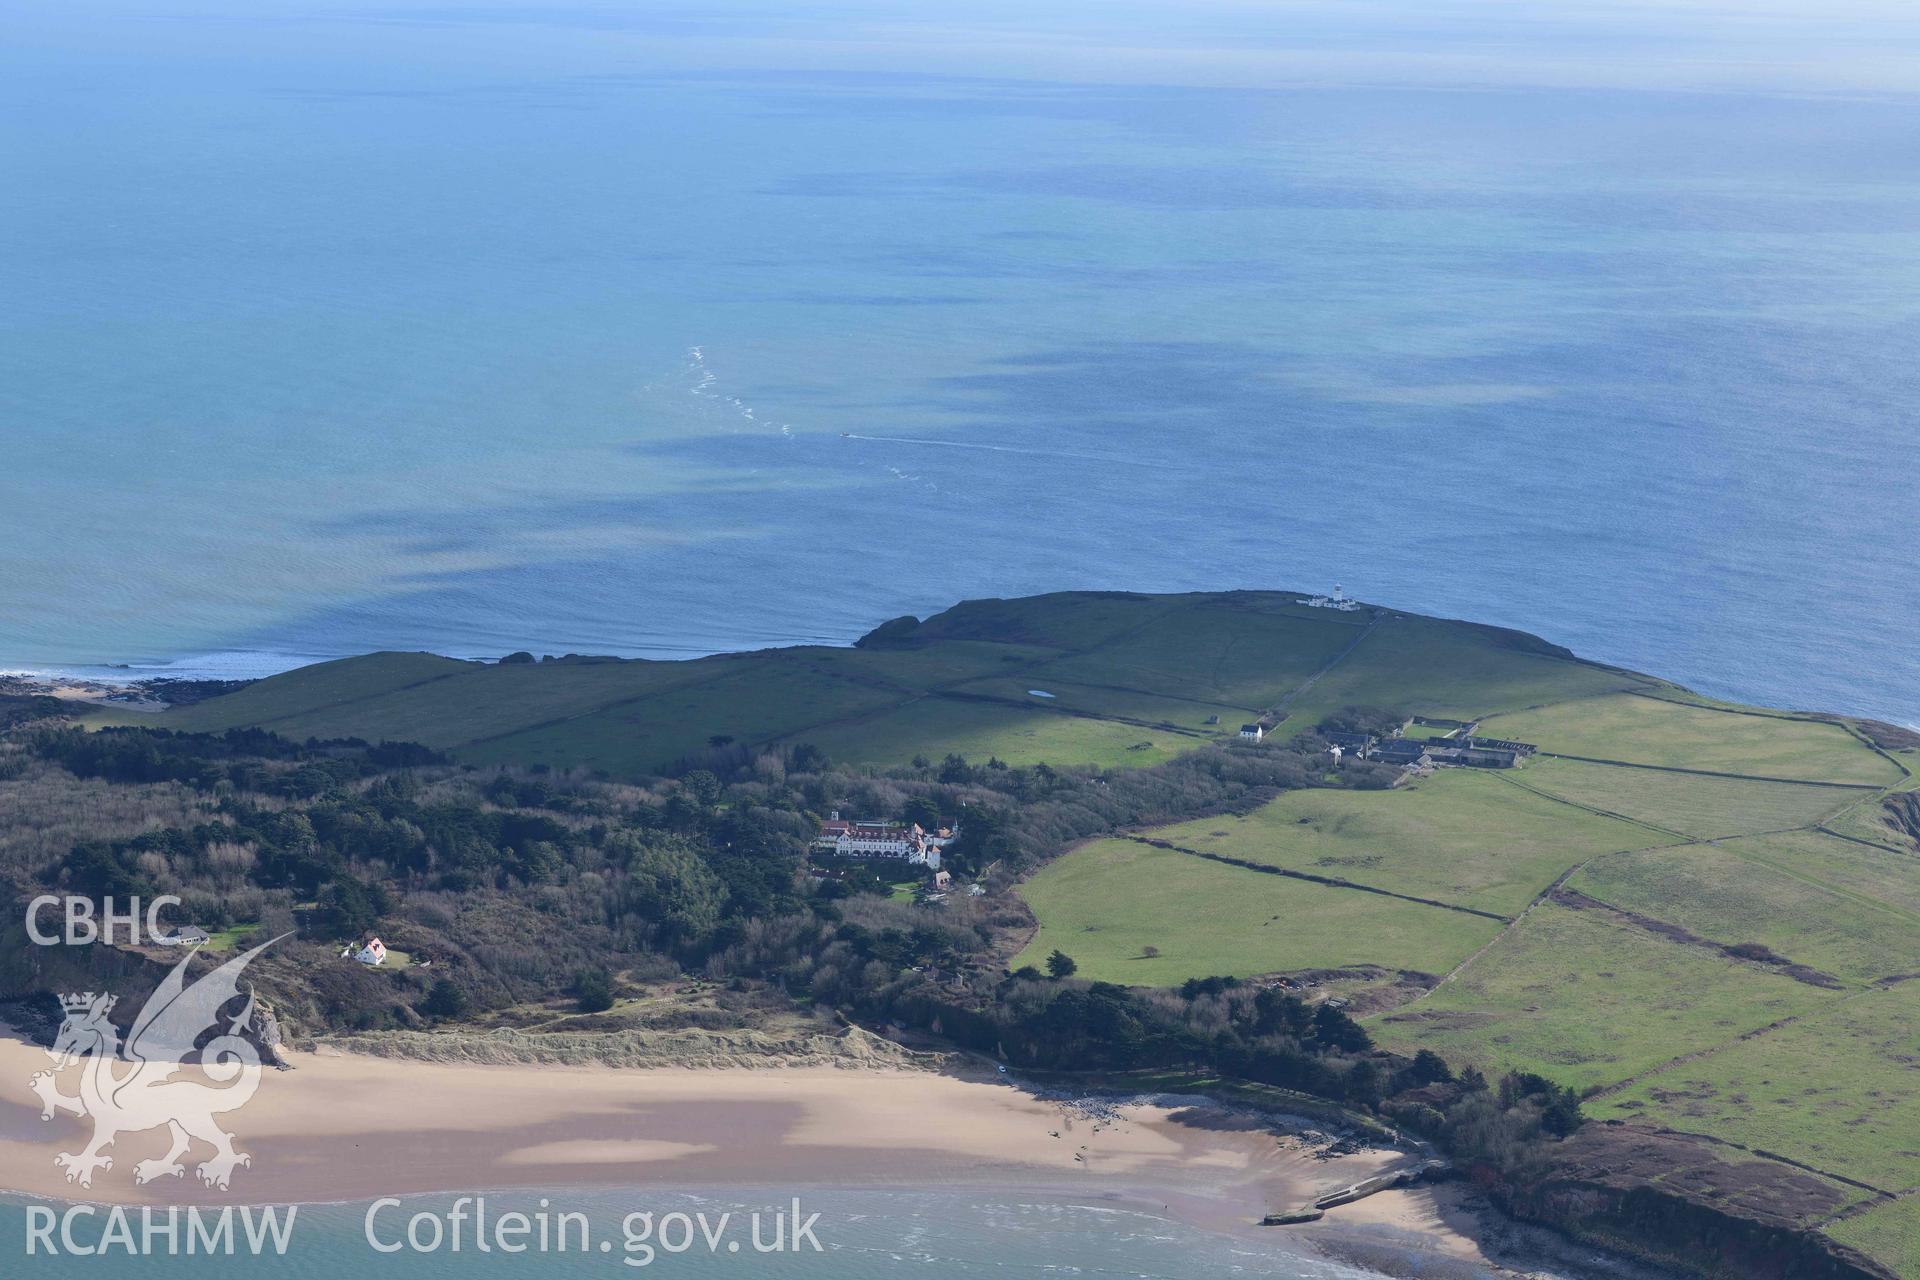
1700	807
1868	819
1453	670
1712	891
1068	621
471	703
932	727
1888	1232
228	939
1117	658
1652	731
1867	876
1838	1090
747	701
913	671
1239	657
1463	837
359	683
1120	704
1110	900
1586	1001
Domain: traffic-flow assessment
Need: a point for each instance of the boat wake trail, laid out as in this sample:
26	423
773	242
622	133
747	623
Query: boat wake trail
1119	459
730	414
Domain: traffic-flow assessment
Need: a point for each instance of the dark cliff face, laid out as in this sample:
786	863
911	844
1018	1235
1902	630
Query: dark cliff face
33	978
1691	1205
1903	812
29	970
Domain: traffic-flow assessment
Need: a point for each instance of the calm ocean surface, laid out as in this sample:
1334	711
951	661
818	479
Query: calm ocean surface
332	326
336	325
934	1233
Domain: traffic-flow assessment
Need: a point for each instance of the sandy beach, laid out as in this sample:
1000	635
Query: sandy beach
348	1127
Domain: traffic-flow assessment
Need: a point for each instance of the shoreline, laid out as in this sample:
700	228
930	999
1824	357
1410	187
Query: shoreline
98	682
130	693
343	1128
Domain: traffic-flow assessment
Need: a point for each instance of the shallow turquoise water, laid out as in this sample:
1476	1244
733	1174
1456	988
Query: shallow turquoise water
933	1232
334	326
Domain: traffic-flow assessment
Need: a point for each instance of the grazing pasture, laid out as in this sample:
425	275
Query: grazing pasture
327	695
1128	664
1109	901
933	727
1586	1000
1713	891
1888	1232
1702	808
1654	731
1241	657
1455	671
1838	1090
1104	702
1464	837
1893	822
1866	876
743	701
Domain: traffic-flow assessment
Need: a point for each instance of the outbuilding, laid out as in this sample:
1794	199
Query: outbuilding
186	935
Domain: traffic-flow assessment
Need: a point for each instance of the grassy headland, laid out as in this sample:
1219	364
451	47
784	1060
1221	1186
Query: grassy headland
1134	680
1700	916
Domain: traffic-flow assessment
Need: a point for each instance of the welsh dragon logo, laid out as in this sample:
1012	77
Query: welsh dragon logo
140	1085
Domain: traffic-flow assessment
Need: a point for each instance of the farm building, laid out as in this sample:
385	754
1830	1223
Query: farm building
1474	756
1465	752
1498	744
1252	732
1400	751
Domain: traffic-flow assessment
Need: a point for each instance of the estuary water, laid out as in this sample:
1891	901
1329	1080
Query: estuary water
328	326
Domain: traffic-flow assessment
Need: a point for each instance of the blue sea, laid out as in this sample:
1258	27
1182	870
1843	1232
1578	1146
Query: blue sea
660	329
940	1233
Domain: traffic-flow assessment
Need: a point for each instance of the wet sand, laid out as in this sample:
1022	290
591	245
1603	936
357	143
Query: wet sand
346	1127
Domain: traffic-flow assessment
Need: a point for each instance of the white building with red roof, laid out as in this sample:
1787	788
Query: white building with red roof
875	838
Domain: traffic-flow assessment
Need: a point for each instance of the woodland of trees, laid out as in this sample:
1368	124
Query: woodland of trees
524	886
